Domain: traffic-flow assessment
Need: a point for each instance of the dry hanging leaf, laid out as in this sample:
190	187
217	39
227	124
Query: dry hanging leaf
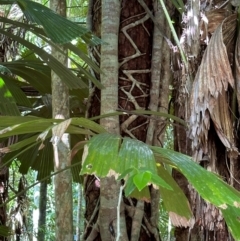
58	131
210	21
208	97
237	68
180	221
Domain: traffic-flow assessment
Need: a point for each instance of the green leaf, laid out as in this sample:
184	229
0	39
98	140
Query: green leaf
100	154
211	187
7	121
64	30
127	172
135	154
40	33
35	72
44	161
4	70
179	5
144	194
10	126
86	123
157	113
83	56
5	231
7	102
161	182
142	112
20	144
174	199
130	186
72	81
232	218
18	95
142	179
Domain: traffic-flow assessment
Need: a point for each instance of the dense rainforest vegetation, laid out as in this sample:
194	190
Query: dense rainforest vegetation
119	120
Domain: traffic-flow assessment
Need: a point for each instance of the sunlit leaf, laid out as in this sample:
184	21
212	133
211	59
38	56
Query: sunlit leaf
7	102
100	155
62	71
141	179
19	96
135	154
64	30
130	186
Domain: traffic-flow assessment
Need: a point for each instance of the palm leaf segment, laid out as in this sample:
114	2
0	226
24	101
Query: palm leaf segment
36	72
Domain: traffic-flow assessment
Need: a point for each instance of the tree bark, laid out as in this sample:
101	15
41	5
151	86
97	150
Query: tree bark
126	65
42	211
63	180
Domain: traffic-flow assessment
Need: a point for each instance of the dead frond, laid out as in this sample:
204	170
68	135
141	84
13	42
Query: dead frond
208	97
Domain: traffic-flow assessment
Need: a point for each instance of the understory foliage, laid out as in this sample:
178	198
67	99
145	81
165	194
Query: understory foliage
204	96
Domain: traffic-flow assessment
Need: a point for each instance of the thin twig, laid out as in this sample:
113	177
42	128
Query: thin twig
119	211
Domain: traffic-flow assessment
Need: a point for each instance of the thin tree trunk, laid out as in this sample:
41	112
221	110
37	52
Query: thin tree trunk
109	187
42	211
126	75
63	180
80	217
4	179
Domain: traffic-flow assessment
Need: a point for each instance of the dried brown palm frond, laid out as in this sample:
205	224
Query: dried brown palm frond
237	69
210	21
208	97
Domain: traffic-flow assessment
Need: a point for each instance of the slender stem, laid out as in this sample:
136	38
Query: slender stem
173	32
119	211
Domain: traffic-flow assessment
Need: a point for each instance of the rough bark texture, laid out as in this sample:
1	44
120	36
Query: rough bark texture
63	180
135	51
109	63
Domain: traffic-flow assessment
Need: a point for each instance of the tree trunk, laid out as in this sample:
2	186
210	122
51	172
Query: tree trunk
42	211
130	52
63	180
4	179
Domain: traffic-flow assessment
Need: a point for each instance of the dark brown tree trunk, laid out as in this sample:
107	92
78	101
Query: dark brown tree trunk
135	44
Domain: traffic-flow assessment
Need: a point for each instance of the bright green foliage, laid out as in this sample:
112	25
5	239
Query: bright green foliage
64	30
106	154
102	158
7	102
36	72
34	147
211	187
